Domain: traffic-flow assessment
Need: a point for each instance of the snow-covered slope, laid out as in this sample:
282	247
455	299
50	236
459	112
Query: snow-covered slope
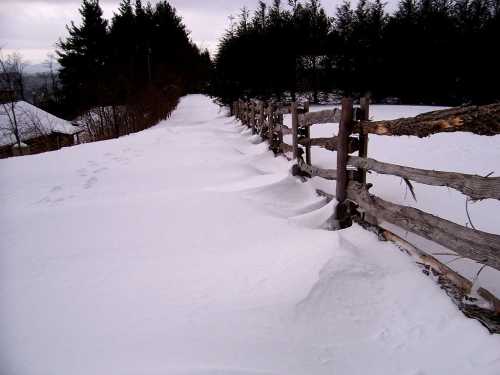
188	249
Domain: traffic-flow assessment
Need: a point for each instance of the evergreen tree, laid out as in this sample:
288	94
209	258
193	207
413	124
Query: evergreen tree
83	57
428	51
136	69
341	45
123	52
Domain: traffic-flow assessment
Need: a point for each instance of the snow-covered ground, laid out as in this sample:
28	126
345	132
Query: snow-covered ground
189	249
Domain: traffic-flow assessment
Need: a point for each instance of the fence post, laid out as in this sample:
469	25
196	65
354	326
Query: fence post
261	117
243	112
247	115
342	218
295	129
280	132
270	122
252	116
307	133
363	138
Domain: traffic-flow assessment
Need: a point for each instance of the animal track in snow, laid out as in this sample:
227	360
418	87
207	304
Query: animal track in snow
82	172
90	182
99	170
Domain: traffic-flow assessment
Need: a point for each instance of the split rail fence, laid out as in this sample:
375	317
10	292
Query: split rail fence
352	191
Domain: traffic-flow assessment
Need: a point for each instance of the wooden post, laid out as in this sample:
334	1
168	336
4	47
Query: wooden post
261	117
363	138
280	132
295	129
257	117
270	122
307	135
342	217
243	112
252	116
247	114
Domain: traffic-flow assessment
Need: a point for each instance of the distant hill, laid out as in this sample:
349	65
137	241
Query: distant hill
39	68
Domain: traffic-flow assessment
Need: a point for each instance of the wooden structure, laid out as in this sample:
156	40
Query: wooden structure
37	130
352	191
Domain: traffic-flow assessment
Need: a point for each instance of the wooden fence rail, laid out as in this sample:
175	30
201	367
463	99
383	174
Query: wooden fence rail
350	174
476	187
482	120
352	191
470	243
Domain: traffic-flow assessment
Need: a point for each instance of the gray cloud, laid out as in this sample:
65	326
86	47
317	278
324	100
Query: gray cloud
32	27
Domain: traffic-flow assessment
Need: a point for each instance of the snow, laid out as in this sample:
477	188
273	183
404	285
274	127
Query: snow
189	249
20	145
32	122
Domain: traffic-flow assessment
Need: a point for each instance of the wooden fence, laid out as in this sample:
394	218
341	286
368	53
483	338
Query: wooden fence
352	191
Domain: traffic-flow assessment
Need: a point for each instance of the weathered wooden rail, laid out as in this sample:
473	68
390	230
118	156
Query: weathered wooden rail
352	191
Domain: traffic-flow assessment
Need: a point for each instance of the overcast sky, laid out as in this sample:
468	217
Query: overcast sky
32	27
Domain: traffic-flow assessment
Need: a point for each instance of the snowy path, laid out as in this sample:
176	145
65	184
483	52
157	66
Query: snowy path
188	249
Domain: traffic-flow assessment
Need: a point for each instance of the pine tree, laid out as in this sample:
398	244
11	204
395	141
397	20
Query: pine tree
341	45
83	57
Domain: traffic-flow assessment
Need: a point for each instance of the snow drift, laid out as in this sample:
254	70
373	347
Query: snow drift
189	249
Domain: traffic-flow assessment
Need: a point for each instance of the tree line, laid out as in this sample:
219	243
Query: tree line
426	51
125	75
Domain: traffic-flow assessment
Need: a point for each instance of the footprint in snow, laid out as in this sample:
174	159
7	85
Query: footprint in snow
43	200
90	182
239	151
99	170
55	189
82	172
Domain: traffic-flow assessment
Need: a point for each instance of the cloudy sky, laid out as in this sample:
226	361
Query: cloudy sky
32	27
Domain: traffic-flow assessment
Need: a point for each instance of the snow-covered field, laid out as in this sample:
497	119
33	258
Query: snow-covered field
189	249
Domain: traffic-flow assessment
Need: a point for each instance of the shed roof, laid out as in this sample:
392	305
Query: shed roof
32	122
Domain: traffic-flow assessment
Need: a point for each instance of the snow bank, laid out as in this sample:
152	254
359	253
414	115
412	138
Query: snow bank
188	249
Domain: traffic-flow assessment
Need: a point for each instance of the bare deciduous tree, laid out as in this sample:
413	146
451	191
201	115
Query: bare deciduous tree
12	82
50	63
